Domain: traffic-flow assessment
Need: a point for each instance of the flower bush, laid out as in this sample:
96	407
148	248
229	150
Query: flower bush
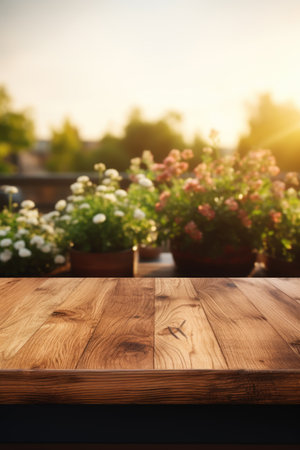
29	244
143	193
214	206
100	217
281	236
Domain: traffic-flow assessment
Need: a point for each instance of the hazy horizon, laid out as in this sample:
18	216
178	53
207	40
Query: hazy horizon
93	61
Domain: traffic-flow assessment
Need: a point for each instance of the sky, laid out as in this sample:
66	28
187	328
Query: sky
95	60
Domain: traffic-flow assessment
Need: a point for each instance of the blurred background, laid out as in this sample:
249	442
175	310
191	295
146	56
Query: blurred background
84	81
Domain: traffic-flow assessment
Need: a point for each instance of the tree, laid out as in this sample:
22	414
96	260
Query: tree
158	136
112	153
16	132
276	127
65	149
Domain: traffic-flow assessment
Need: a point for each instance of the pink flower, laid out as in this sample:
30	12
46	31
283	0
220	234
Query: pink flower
200	170
158	167
292	178
276	216
175	154
232	204
192	184
245	219
278	188
187	154
255	197
169	160
206	211
158	206
273	170
192	230
164	197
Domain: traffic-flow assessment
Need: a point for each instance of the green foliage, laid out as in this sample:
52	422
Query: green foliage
66	148
16	132
158	136
111	152
100	218
277	127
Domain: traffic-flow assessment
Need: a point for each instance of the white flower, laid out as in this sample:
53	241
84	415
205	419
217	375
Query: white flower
112	173
24	253
99	218
70	208
6	255
46	248
21	219
145	182
5	242
28	204
84	206
100	167
121	193
10	190
37	240
3	232
83	179
70	198
101	188
48	228
19	244
59	259
32	221
119	213
21	232
49	216
78	198
106	181
139	214
77	188
60	205
110	197
291	192
65	218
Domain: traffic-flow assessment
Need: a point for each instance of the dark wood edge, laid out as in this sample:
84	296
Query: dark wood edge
149	387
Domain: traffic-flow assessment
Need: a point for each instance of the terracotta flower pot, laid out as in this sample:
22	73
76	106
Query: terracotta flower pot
149	253
281	268
113	264
233	262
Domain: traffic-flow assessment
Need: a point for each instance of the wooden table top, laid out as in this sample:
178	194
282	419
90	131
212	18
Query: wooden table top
146	340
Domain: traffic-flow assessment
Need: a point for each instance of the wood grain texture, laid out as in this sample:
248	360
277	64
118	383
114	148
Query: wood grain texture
183	336
150	387
60	341
291	286
30	311
246	338
92	341
282	312
123	338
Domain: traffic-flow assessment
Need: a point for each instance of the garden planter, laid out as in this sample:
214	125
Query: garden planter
233	262
149	253
112	264
280	268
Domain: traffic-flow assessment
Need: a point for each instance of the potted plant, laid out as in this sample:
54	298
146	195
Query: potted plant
213	212
281	236
29	244
102	227
143	193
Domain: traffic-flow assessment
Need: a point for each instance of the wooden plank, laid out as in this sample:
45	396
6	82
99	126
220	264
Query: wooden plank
183	336
247	340
290	286
123	338
150	387
30	312
59	343
280	310
13	293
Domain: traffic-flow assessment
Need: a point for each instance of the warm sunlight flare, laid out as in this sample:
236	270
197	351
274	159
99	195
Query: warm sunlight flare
92	61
